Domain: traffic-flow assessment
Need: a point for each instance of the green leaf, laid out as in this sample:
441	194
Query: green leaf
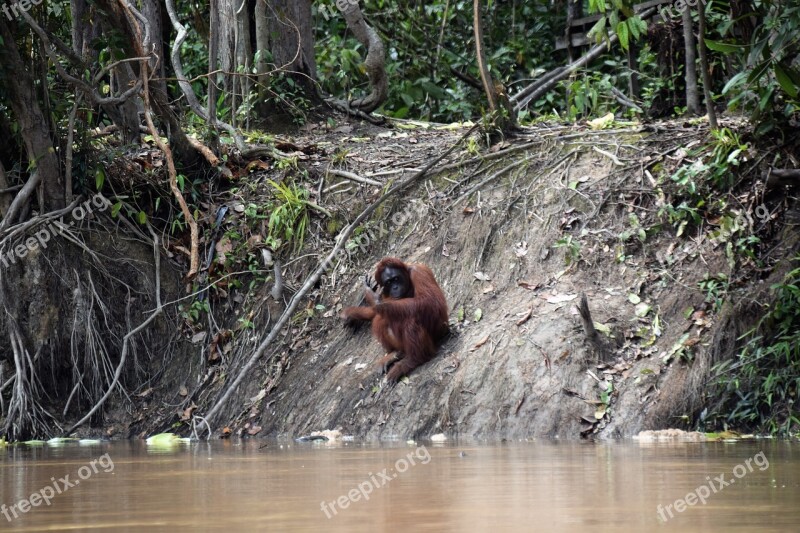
785	81
622	33
726	48
142	218
758	72
733	82
633	26
99	177
599	29
115	209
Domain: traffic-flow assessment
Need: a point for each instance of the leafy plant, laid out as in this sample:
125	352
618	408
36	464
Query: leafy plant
618	17
589	95
760	386
572	249
715	288
769	84
288	219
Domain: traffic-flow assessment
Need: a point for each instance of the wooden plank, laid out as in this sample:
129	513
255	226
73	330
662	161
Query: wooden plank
578	40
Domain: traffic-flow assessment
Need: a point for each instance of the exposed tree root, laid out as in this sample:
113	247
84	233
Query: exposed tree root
126	341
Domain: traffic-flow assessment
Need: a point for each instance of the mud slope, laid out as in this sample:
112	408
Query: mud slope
513	241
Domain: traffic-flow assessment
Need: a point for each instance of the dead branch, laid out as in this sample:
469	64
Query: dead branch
491	178
624	100
354	177
212	159
194	260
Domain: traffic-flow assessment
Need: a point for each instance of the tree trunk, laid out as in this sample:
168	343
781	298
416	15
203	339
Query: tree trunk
291	39
262	49
114	16
151	9
5	197
692	95
701	46
375	63
33	127
213	78
633	66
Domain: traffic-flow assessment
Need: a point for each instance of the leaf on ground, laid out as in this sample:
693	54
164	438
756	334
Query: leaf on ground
480	343
560	298
525	316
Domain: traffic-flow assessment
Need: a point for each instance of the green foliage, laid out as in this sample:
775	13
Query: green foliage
711	171
769	83
572	249
427	42
715	289
761	384
619	18
589	95
193	312
288	219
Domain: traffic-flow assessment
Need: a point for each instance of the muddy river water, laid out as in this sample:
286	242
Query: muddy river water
466	486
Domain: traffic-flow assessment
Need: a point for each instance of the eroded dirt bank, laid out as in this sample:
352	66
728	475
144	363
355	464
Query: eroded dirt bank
513	235
513	240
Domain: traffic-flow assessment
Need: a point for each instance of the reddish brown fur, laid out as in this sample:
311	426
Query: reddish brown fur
412	325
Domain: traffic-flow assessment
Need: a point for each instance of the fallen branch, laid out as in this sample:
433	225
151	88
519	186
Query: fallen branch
212	159
354	177
782	176
624	100
614	159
